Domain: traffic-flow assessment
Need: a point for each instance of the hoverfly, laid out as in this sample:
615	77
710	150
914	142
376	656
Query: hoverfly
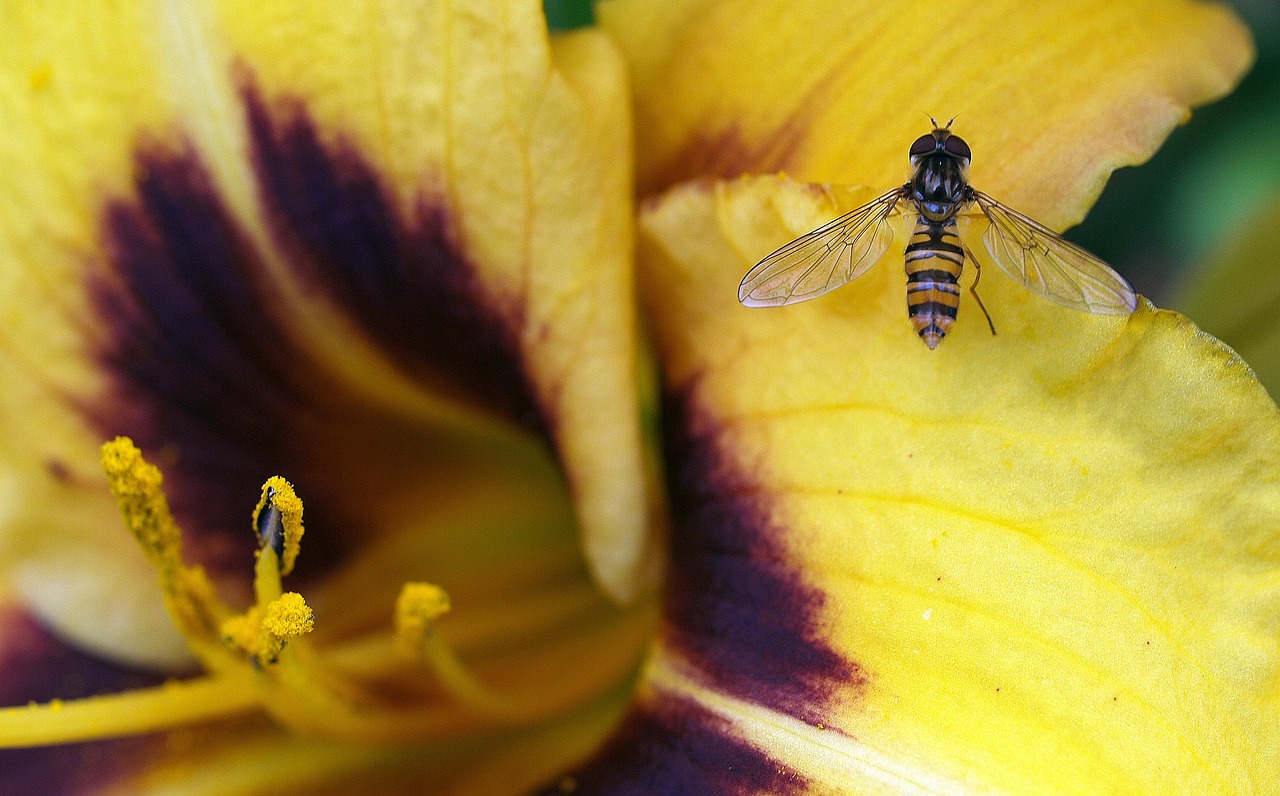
937	195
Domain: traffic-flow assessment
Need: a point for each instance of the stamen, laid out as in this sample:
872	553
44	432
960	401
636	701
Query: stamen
135	712
300	690
289	617
297	689
277	519
417	609
262	633
189	596
288	678
136	487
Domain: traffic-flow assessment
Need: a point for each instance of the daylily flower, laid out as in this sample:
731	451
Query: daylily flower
380	264
388	258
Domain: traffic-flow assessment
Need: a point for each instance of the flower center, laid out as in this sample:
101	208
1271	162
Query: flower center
262	659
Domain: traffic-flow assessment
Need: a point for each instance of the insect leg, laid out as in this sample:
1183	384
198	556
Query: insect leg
973	289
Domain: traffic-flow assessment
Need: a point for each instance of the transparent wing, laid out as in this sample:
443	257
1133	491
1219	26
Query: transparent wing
1040	259
823	260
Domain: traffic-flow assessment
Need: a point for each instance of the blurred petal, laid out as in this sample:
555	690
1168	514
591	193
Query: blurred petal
1236	296
1042	561
347	248
34	665
1052	97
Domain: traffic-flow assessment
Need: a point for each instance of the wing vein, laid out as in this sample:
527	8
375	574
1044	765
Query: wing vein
825	259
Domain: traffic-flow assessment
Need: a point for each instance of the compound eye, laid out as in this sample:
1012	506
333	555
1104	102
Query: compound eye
923	146
955	145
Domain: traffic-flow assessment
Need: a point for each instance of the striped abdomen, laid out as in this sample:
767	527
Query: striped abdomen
934	262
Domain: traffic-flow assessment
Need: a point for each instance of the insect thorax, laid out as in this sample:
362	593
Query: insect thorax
939	187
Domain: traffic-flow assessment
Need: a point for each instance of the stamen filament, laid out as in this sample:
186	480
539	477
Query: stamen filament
417	609
267	585
138	712
189	596
470	692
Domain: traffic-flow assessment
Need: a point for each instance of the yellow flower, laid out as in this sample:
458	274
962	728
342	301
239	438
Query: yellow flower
387	256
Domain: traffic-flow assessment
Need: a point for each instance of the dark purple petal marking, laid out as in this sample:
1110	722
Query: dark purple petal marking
672	746
734	606
202	377
202	371
35	665
409	287
727	154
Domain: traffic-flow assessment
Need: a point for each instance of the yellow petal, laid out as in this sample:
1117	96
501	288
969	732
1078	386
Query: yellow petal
386	255
1051	97
1044	561
1236	296
518	173
57	514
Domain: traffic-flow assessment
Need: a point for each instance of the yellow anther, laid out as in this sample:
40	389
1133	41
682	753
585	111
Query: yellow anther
289	616
261	633
417	608
277	520
136	486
